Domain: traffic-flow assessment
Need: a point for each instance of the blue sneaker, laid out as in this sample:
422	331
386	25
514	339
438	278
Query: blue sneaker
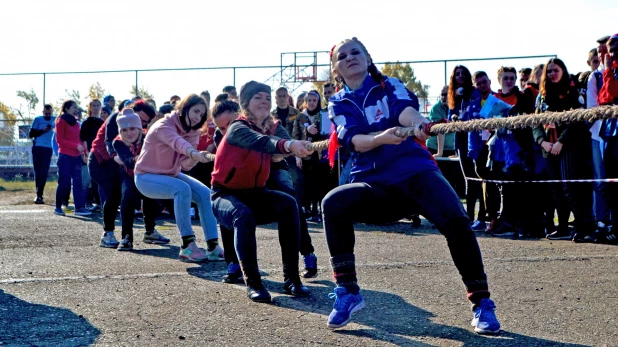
345	305
485	321
479	225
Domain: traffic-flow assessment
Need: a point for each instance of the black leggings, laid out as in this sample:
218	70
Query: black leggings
427	193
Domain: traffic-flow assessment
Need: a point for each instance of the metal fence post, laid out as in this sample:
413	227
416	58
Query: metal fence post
136	89
44	88
234	81
445	74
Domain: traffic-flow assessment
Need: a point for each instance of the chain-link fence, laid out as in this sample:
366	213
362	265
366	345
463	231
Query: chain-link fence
15	146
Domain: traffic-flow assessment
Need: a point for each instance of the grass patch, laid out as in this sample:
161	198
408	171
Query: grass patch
16	185
21	191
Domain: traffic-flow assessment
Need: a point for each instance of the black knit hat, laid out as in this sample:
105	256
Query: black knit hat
603	40
249	89
165	109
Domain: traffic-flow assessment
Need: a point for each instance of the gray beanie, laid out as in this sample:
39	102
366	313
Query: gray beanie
249	89
128	119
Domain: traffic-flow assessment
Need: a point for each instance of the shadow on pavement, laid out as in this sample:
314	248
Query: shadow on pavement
24	323
164	251
389	318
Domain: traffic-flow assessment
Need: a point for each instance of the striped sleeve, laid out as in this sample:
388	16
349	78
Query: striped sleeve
399	97
346	124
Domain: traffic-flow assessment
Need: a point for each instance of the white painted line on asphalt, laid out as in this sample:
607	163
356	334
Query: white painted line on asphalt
23	211
219	274
100	277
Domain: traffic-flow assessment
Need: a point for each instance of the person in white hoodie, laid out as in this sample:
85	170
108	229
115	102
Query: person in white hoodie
601	194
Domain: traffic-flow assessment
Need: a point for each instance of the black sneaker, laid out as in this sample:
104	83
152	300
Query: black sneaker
39	200
605	237
416	221
295	287
234	274
125	244
560	235
581	238
256	291
505	230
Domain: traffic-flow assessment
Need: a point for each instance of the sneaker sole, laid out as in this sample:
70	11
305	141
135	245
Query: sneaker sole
289	292
233	280
486	332
507	234
153	242
307	275
107	246
354	309
215	259
124	249
268	300
83	214
189	260
560	238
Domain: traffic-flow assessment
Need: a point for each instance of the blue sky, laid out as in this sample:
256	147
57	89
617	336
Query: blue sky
46	36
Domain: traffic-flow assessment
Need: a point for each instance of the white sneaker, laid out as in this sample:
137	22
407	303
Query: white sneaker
192	254
216	254
108	240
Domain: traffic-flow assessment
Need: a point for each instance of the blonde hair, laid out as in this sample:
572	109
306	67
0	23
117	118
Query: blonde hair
89	112
267	126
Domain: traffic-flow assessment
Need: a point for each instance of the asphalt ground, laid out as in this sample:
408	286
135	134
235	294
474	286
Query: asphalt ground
59	288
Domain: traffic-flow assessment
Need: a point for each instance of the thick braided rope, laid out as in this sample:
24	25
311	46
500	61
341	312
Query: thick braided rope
517	122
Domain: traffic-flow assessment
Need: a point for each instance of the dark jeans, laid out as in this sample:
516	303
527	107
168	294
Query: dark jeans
298	179
474	189
427	193
41	159
601	189
130	196
70	172
242	211
576	197
107	176
522	205
611	165
491	191
318	182
281	180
